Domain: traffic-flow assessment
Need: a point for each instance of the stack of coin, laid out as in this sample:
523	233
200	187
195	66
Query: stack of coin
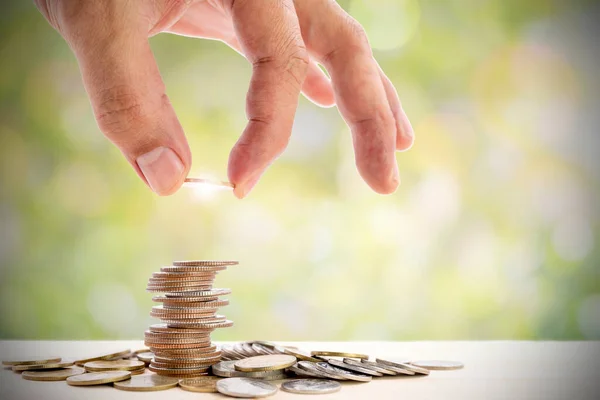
182	345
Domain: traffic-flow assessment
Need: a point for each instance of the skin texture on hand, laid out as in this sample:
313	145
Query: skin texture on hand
284	40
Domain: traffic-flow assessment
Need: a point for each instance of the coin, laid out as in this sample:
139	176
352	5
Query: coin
304	373
122	365
183	275
98	378
103	357
355	368
240	349
176	289
138	371
265	363
208	325
176	334
249	350
261	350
402	366
371	365
31	361
180	372
200	293
203	263
227	369
311	367
169	329
437	364
42	366
147	383
311	386
245	387
179	300
198	181
300	354
194	306
145	357
204	384
201	319
338	354
53	375
350	375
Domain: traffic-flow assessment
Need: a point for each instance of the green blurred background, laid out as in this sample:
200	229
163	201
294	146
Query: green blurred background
493	234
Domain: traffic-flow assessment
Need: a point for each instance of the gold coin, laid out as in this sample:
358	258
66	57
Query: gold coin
103	357
147	383
200	293
31	361
205	384
181	372
175	289
139	371
300	354
42	366
98	378
159	328
439	365
141	351
191	359
123	365
167	346
209	313
203	263
202	319
208	325
265	363
174	334
189	280
193	268
183	353
183	275
182	300
204	366
54	375
203	341
339	354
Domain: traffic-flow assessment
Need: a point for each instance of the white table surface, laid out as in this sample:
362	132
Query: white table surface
493	370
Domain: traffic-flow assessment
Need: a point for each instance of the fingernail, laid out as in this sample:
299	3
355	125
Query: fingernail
242	190
162	169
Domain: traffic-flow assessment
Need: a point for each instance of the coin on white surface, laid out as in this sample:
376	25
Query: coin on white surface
311	386
245	387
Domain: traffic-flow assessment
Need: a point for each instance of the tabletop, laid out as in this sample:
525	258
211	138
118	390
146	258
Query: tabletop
493	370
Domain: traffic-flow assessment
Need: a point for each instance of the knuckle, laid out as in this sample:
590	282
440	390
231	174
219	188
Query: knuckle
356	35
118	110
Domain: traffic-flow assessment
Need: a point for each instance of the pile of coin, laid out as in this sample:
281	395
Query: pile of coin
181	345
246	370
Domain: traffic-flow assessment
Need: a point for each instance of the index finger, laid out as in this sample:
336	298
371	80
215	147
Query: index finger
269	34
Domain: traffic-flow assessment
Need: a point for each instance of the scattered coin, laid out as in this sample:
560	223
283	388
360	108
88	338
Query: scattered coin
122	365
52	375
265	363
340	372
147	383
227	369
98	378
300	354
311	386
402	366
356	368
437	364
42	366
372	365
31	361
338	354
303	373
245	387
311	368
103	357
204	384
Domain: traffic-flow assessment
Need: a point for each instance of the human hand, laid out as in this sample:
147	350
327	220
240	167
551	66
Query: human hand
282	39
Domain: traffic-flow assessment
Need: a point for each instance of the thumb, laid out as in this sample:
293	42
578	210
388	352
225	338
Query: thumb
129	101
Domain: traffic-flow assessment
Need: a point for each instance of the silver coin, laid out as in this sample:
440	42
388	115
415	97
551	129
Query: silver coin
355	368
350	375
227	369
302	372
245	387
311	367
262	350
372	365
440	365
311	386
402	366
